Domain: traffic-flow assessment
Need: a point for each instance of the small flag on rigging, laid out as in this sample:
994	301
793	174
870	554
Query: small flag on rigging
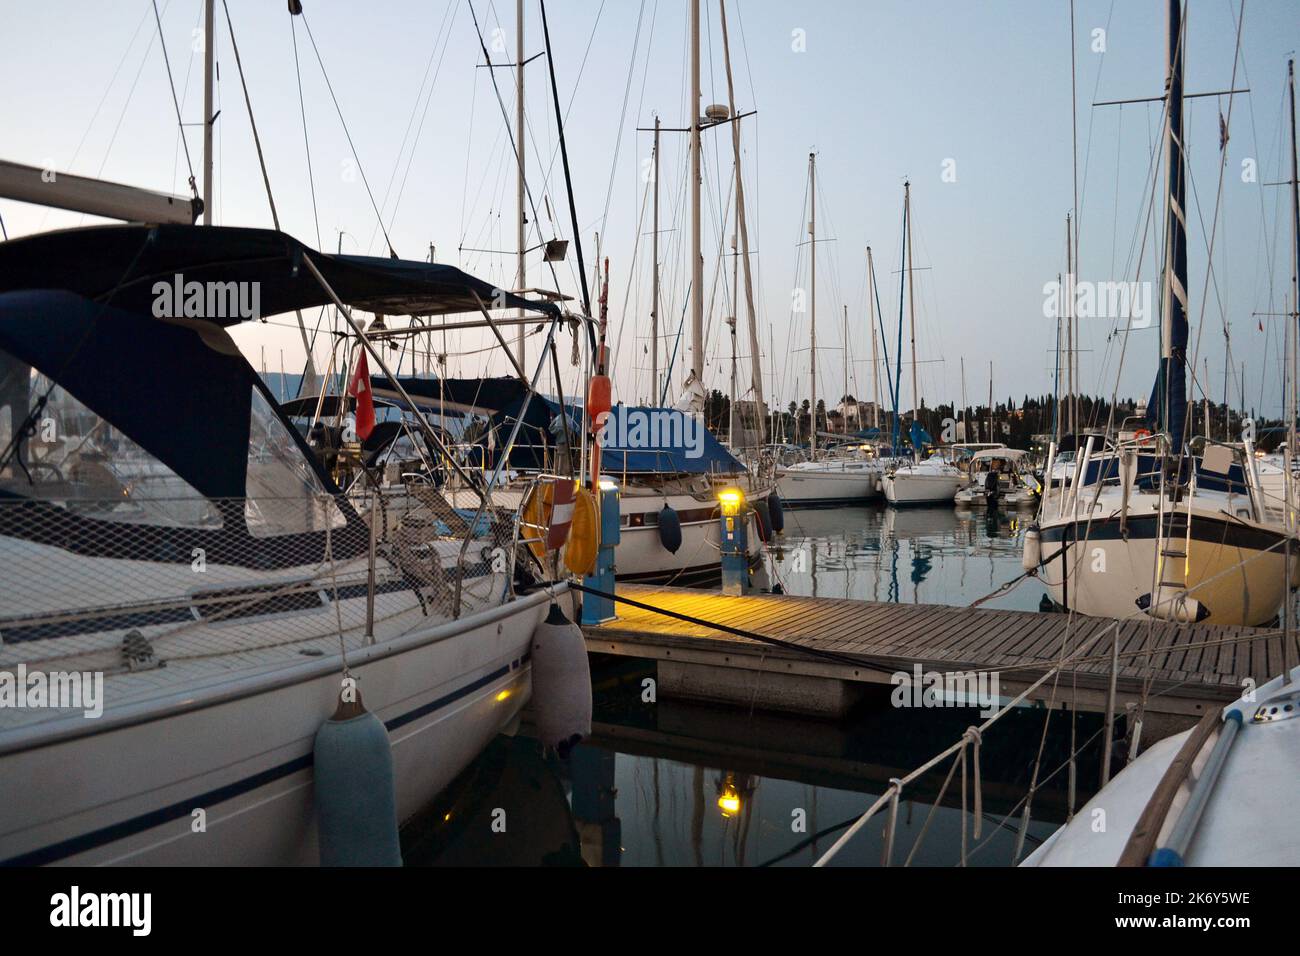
359	388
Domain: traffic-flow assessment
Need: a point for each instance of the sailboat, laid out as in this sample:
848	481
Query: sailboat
189	594
1143	527
172	532
935	479
828	480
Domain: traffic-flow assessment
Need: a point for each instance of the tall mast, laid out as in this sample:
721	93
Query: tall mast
964	416
208	70
742	227
911	303
1295	228
697	263
812	322
1171	388
521	237
875	348
1069	326
654	307
846	370
991	400
1056	374
1206	401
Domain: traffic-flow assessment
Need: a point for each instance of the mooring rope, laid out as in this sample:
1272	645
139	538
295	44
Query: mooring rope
738	632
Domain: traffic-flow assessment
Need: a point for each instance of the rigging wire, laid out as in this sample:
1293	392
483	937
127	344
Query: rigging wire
348	133
171	85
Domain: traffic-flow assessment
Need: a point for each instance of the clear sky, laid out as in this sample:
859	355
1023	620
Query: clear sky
971	101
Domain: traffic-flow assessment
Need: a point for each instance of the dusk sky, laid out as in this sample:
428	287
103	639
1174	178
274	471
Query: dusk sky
971	101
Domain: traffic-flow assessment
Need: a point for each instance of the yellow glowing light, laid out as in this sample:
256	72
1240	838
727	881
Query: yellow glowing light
503	695
729	802
731	500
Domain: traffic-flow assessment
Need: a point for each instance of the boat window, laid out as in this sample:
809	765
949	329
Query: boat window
78	461
284	494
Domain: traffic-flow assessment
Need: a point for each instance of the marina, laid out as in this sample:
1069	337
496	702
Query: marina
682	434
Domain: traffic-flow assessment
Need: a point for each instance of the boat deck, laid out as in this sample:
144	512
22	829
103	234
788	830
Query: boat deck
1184	669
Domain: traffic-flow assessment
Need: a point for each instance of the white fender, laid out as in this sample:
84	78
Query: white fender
561	682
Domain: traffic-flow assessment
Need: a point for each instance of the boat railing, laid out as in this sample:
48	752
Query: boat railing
136	583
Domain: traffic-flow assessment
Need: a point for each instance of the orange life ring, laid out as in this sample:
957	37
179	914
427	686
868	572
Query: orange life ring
1142	435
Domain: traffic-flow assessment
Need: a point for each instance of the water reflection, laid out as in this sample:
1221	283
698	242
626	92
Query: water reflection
687	784
676	783
914	555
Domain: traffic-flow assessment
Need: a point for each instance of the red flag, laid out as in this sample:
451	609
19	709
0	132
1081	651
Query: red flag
359	388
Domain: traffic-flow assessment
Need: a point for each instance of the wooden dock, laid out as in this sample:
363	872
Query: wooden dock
1183	669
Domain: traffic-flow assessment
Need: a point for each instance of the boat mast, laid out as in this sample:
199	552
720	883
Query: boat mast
654	295
812	322
1171	387
208	71
697	263
520	235
1069	326
965	418
911	308
875	348
1056	374
742	228
846	371
1295	232
991	401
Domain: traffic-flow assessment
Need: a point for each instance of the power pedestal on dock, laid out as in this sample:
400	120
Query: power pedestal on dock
597	609
732	535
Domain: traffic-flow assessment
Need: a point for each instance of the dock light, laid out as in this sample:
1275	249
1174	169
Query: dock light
729	800
731	499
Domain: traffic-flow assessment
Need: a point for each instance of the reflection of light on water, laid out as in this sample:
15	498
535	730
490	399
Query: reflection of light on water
912	555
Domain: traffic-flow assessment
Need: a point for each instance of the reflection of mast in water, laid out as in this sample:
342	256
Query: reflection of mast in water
600	831
893	571
656	826
697	817
812	566
920	568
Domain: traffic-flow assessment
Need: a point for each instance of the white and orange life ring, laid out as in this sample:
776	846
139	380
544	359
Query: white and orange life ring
548	514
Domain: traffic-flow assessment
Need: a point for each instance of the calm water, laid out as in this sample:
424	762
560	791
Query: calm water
672	783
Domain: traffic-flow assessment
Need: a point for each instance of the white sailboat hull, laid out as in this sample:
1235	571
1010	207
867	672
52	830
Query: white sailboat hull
1234	570
904	488
130	786
800	488
1244	823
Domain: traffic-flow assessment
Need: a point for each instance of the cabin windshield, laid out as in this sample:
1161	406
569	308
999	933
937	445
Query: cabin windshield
76	460
284	494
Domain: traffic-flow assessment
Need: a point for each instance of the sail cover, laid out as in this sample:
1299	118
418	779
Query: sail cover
133	267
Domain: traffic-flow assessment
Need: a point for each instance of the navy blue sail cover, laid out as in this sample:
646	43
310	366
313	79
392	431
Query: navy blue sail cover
159	383
121	265
502	399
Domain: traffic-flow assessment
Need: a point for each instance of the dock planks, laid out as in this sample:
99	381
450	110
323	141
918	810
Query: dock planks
888	637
